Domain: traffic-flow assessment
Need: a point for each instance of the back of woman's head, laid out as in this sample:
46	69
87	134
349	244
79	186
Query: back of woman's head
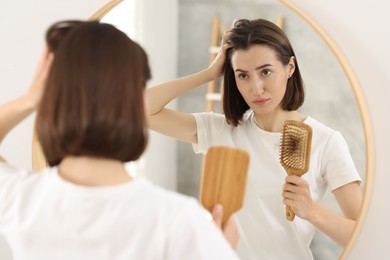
244	34
93	103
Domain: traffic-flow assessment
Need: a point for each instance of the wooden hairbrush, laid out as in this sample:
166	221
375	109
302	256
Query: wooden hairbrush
224	176
294	151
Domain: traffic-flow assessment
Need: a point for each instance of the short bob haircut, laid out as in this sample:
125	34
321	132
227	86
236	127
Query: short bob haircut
244	34
93	103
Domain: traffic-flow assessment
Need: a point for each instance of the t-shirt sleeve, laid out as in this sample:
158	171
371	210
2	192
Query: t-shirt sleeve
195	236
338	164
201	126
9	175
9	183
208	125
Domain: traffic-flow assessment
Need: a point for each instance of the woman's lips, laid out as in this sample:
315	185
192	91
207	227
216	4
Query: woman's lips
260	101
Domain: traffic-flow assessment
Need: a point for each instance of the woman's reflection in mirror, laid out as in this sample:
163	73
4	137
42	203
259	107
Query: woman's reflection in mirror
263	87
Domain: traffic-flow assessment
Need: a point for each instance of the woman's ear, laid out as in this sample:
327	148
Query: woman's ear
291	67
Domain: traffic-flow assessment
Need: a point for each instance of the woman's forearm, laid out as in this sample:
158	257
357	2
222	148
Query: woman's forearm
338	228
13	113
159	96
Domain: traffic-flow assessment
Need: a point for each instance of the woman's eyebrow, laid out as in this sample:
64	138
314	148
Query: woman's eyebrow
257	68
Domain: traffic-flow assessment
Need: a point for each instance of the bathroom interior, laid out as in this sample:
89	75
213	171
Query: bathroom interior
338	93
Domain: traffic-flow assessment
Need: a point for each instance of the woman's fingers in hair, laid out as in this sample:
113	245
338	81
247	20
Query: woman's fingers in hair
225	37
35	92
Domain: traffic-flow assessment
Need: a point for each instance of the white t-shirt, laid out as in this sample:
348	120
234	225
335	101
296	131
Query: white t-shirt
42	216
265	232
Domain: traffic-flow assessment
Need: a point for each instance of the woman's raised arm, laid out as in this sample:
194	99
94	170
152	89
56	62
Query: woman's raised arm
178	125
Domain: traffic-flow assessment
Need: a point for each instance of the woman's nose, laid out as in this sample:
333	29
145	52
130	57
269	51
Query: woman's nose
258	86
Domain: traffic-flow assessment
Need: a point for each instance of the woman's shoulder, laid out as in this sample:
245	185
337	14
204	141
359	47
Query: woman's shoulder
324	134
155	193
174	204
164	195
319	128
13	174
209	115
220	119
210	119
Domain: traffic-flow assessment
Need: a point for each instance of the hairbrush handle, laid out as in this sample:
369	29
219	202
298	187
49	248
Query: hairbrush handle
294	151
290	215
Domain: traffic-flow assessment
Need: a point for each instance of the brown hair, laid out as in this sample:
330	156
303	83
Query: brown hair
244	34
93	103
57	32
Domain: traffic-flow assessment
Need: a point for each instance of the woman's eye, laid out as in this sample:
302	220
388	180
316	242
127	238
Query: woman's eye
242	76
266	72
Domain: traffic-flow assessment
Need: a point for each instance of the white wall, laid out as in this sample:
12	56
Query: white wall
359	28
159	38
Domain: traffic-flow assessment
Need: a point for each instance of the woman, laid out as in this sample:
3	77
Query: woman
263	88
90	121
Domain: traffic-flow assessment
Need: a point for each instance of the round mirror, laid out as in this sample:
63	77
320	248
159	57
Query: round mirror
330	97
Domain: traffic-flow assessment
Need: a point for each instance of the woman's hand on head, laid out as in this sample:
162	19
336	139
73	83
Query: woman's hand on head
216	67
35	92
296	194
229	228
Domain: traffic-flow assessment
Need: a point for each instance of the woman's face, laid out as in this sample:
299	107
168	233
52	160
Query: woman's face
261	78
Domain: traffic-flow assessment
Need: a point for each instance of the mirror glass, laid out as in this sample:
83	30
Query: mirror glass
329	96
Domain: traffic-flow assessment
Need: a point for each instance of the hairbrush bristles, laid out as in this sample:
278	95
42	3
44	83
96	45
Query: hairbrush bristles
295	147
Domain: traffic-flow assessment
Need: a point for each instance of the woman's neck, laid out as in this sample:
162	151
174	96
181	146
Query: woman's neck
90	171
274	122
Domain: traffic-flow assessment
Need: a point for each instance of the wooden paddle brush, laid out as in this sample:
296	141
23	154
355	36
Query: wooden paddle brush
294	151
224	176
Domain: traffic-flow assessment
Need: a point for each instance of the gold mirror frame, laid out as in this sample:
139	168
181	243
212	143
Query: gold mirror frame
98	15
39	162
